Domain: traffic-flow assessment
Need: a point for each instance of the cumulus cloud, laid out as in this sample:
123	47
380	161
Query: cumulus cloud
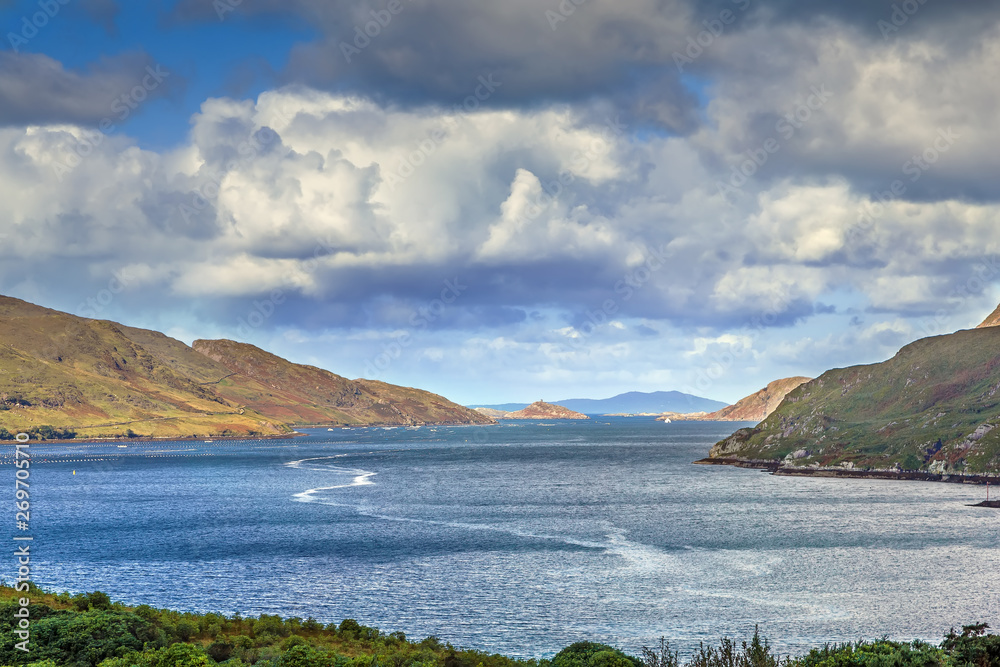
838	101
342	199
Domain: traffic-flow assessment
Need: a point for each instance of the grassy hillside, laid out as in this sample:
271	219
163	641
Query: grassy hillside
89	376
65	375
934	406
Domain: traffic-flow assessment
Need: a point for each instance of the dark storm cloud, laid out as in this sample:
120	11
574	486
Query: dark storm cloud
865	13
104	13
35	89
436	51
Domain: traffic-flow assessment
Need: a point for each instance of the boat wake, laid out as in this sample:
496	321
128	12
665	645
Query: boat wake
355	476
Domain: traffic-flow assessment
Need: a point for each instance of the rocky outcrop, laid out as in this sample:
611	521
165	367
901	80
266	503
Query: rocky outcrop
543	410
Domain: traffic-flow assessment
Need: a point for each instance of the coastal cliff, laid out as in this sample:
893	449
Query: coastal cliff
933	408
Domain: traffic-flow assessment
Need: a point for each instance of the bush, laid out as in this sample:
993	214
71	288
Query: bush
581	654
973	646
302	656
185	630
349	625
269	625
99	600
220	651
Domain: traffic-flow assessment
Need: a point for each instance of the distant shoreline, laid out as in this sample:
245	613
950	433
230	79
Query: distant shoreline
780	469
213	438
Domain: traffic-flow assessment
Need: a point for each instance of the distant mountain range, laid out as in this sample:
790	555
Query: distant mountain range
61	373
537	410
633	402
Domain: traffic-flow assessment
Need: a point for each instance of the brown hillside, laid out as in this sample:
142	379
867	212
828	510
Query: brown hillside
303	395
756	407
753	408
104	379
992	320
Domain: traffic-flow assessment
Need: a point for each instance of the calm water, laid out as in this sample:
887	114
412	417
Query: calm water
519	539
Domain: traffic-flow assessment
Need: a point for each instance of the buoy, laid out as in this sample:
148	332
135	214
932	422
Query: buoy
74	472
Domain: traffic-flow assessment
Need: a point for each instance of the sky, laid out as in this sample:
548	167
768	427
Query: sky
509	201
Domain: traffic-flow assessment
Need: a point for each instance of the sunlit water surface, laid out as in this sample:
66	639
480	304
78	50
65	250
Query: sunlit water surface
518	539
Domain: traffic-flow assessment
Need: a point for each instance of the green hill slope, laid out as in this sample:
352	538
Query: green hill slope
934	407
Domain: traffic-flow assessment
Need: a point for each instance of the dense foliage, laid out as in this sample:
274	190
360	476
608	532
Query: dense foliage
90	631
44	432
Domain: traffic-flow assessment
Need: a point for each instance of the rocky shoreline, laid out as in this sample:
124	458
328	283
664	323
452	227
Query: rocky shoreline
779	468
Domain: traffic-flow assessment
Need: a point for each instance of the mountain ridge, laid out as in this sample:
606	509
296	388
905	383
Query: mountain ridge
633	402
99	378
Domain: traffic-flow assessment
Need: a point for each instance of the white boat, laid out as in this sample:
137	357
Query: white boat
667	420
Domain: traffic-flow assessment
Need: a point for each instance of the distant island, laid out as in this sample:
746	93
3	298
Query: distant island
537	410
63	376
631	403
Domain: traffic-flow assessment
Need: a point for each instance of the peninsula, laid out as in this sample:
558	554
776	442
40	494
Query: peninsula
63	376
